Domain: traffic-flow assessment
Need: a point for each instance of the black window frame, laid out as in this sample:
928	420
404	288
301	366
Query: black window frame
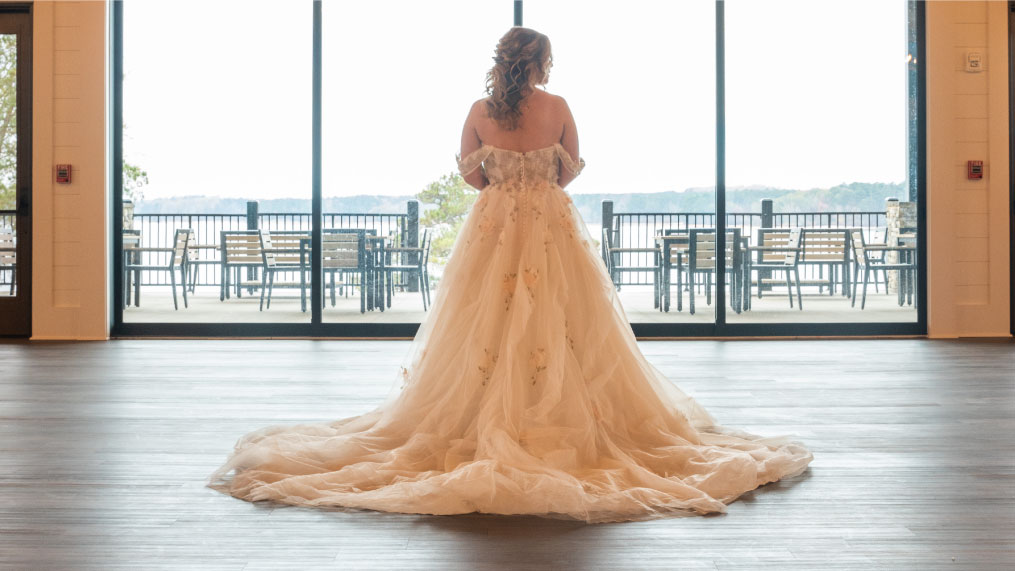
317	328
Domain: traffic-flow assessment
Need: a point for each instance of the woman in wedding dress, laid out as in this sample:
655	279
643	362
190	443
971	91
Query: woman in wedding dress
523	391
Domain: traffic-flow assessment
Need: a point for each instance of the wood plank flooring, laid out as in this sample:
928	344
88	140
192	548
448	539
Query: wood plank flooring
105	447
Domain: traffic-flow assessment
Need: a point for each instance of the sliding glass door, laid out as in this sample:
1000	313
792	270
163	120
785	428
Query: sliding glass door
817	169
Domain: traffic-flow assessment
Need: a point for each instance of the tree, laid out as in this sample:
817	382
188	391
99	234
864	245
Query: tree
452	198
134	177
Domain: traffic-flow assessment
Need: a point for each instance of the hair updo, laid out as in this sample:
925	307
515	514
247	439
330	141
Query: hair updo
522	58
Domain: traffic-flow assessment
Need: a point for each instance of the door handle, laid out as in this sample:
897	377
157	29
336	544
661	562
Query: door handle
23	208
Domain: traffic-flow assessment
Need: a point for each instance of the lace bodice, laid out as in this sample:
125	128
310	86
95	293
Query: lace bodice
503	165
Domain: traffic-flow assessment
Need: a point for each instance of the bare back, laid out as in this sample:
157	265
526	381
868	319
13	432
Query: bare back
541	124
546	120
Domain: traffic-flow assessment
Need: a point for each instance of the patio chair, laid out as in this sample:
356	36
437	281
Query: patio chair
280	252
827	247
779	250
415	261
343	252
615	257
241	250
702	259
8	256
863	258
200	255
177	261
131	241
878	257
340	284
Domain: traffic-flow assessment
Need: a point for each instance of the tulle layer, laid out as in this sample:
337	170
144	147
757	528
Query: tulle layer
523	392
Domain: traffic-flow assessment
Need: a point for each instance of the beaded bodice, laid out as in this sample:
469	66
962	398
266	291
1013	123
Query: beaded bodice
503	165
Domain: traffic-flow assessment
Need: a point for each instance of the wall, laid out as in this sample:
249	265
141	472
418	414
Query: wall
69	114
967	118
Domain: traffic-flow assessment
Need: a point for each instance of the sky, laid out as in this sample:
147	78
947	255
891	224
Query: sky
217	93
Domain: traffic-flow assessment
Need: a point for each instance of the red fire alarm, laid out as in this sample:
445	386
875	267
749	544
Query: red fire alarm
63	173
974	170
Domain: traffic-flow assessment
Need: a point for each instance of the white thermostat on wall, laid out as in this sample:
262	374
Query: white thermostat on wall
974	61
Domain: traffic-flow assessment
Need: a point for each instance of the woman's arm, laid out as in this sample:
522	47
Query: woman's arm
471	142
569	140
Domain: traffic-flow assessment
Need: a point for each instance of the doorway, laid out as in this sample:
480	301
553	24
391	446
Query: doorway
15	171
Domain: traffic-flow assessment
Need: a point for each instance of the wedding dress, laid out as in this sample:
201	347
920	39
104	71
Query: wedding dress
523	392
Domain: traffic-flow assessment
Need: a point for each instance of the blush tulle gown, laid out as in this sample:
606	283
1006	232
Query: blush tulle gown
523	391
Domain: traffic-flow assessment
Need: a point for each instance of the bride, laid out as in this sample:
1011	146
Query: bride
524	391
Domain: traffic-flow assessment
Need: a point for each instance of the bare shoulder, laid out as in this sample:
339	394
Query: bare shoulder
560	107
565	107
478	108
554	99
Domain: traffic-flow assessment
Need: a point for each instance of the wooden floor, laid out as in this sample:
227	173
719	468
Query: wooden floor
105	447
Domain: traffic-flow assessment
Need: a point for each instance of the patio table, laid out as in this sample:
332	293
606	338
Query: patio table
666	243
375	246
375	270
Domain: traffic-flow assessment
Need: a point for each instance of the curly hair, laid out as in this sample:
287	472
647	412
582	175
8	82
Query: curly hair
522	58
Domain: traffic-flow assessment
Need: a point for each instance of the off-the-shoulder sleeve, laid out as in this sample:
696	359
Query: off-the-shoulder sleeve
473	160
568	162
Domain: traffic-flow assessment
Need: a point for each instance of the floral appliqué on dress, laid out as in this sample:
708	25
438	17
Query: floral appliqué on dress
508	285
487	366
537	362
531	276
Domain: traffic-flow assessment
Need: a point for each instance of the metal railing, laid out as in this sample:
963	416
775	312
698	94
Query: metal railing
638	230
868	221
629	229
157	231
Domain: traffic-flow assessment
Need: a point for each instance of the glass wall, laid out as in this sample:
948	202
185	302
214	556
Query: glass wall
216	131
820	137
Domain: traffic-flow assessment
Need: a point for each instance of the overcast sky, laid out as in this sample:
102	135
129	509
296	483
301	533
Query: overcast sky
217	93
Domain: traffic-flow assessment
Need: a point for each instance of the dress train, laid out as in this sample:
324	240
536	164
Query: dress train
523	391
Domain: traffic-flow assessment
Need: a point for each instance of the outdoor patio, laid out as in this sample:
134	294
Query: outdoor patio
642	251
407	307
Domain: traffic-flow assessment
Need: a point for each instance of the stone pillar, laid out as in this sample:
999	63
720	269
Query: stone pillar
900	217
411	240
767	221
